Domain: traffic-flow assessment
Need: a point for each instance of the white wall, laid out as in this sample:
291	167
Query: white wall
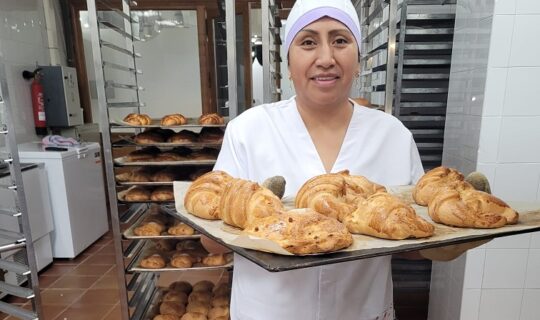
23	44
493	126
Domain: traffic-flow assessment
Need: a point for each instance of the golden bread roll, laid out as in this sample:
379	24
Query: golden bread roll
302	231
470	209
182	260
143	155
184	136
203	196
211	135
166	175
220	318
137	175
218	312
199	307
432	181
214	259
193	316
222	289
166	317
175	119
189	245
221	301
170	307
200	296
165	245
204	154
182	286
203	285
181	229
383	215
175	296
138	119
149	229
244	201
169	156
162	194
137	194
149	137
155	261
211	118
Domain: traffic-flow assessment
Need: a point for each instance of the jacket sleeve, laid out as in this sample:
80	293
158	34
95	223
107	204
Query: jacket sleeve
232	156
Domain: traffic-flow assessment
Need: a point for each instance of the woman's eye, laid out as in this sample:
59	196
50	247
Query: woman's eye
341	41
307	43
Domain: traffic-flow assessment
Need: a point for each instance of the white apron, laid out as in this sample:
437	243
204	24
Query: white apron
271	140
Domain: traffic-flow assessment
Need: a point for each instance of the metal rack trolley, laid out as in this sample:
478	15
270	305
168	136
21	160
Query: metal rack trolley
16	240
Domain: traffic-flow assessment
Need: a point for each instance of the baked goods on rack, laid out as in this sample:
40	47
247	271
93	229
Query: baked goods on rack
166	317
169	156
182	260
175	119
204	154
175	296
203	285
180	229
383	215
218	313
470	209
302	231
203	197
137	194
149	137
165	175
143	155
198	307
172	308
138	119
244	201
150	228
214	260
184	136
193	316
211	119
164	193
200	296
211	135
154	261
436	179
137	175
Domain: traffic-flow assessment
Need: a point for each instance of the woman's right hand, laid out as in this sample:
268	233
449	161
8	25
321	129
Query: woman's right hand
213	247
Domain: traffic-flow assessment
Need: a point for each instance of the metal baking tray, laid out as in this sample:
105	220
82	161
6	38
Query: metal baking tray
156	123
149	184
129	141
152	308
121	195
129	233
122	162
150	249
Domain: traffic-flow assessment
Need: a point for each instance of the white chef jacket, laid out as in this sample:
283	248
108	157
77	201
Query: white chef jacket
271	140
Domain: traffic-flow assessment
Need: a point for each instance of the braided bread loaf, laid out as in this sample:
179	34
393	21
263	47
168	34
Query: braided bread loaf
203	196
138	119
175	119
431	183
211	118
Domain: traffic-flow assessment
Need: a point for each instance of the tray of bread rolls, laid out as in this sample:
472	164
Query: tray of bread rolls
387	220
182	300
147	194
172	255
134	120
159	176
179	156
159	137
154	224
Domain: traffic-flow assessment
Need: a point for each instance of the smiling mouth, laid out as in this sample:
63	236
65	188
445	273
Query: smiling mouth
325	78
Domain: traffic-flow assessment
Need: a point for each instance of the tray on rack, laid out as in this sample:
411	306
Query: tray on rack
130	141
150	249
363	247
130	234
191	123
122	162
121	195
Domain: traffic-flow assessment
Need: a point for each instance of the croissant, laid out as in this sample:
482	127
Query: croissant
203	196
302	231
385	216
138	119
244	201
470	209
432	181
211	118
175	119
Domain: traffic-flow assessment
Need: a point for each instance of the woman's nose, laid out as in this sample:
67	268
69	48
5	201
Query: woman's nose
325	58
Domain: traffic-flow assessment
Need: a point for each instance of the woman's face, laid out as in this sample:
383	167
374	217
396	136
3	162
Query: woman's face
323	62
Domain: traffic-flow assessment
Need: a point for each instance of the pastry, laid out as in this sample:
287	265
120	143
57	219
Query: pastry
204	154
193	316
149	137
143	155
162	194
470	209
220	301
169	156
214	260
432	181
302	231
149	229
211	135
204	285
222	289
184	136
199	307
155	261
181	229
165	245
211	118
244	201
137	194
175	119
201	296
166	175
188	245
138	175
166	317
182	286
170	307
383	215
175	296
182	260
138	119
217	312
203	196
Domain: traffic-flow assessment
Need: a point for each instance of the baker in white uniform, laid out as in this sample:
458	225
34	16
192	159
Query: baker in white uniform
319	130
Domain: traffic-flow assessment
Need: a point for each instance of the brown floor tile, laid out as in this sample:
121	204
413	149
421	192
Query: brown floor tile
103	241
106	283
98	297
84	312
51	312
75	282
112	272
108	249
58	269
114	314
77	260
93	249
89	270
101	259
63	297
45	281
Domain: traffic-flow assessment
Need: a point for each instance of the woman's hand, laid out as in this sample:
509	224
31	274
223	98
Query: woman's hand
213	247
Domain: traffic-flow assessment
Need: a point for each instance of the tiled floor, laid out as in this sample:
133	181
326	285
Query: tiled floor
84	288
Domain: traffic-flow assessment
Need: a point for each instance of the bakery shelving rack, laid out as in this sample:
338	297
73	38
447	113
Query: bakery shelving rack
113	34
271	43
23	272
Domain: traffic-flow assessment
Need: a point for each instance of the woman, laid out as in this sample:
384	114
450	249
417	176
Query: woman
319	130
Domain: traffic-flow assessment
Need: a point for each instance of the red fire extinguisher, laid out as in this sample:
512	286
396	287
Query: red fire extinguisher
38	104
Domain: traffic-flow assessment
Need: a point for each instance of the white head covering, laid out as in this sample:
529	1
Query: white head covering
305	12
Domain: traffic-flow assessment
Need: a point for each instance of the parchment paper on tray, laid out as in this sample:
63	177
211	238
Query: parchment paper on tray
529	221
122	161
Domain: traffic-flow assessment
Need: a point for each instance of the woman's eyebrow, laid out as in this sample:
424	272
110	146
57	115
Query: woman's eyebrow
333	31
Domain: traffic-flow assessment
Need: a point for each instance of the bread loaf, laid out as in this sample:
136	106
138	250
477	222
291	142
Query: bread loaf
175	119
184	136
432	181
211	119
164	193
202	199
138	119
